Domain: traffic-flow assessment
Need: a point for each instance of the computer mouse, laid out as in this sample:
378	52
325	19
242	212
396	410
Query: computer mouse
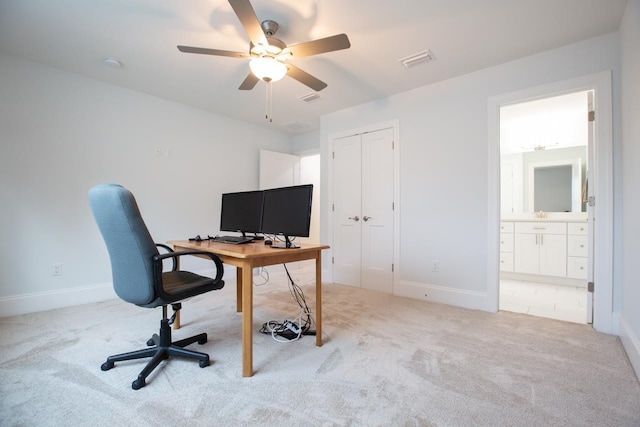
267	242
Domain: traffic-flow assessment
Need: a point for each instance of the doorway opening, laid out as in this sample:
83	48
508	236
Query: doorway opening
544	238
599	192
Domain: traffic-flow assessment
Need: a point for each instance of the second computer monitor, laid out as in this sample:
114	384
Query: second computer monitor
241	212
286	211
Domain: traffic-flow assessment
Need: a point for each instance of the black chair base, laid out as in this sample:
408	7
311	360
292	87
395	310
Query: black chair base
162	349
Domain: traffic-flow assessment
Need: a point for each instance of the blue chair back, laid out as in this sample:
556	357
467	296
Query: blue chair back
130	246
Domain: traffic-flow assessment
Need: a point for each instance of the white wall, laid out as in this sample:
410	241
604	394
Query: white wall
444	164
630	314
305	142
60	134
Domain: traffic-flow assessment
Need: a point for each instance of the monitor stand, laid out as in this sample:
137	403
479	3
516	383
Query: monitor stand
287	244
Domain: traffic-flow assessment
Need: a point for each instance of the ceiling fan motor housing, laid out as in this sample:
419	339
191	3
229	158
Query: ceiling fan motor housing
270	27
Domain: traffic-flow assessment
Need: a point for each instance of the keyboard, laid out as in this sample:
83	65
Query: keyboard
236	240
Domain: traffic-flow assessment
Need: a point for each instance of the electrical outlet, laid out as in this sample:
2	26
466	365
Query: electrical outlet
435	266
56	269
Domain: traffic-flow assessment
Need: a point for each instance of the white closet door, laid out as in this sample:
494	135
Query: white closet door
347	187
363	191
377	210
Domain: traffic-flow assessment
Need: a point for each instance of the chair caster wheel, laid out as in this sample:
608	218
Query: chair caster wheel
204	363
202	341
138	384
151	343
106	366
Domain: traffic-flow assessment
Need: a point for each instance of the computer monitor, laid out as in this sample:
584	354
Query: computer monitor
286	211
241	212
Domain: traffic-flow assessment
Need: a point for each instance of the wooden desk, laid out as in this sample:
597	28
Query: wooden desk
247	256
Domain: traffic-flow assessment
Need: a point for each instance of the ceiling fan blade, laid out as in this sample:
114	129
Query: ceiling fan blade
249	82
328	44
217	52
305	78
249	21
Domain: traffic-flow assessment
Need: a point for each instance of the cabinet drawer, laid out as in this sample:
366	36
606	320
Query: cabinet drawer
577	246
577	228
577	267
506	227
506	262
541	227
506	242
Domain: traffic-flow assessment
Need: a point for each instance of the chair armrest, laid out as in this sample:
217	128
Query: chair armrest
174	266
157	264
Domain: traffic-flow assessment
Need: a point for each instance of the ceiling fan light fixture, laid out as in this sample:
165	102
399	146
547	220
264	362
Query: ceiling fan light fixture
267	68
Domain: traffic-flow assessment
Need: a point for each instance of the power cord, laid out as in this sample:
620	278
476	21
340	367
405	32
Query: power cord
265	276
291	330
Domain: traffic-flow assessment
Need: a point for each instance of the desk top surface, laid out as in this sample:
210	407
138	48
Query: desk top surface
255	249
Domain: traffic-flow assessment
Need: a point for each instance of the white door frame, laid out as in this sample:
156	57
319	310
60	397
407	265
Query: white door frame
600	83
395	124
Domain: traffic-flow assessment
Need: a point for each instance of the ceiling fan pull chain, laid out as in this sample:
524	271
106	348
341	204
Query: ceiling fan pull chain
269	102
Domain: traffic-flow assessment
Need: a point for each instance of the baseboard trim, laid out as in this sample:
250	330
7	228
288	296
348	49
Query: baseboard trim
631	344
50	300
443	295
60	298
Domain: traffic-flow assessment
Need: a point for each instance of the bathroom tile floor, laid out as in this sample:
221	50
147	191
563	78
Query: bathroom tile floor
568	303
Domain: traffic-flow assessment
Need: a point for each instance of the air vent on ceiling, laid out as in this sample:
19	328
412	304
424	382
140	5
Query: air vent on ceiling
418	58
297	126
310	97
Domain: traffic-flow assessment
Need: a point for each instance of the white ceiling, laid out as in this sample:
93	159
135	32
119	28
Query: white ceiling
464	35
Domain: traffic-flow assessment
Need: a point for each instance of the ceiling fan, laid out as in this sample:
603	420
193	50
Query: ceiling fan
268	54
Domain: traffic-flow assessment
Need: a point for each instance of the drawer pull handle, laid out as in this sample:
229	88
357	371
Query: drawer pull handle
539	228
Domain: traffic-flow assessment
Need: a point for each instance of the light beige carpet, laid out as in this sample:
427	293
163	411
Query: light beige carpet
386	361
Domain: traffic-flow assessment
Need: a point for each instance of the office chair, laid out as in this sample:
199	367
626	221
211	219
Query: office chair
138	276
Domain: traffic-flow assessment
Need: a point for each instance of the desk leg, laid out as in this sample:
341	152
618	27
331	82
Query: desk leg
247	319
239	290
319	300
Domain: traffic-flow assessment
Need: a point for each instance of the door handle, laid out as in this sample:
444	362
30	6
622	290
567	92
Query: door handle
366	218
355	218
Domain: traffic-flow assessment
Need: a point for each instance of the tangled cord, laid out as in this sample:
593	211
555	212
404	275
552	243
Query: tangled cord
291	330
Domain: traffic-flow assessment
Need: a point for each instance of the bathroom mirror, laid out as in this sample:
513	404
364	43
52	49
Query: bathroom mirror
543	155
555	186
545	180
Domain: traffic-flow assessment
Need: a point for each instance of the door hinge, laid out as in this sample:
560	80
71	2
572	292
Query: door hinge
393	206
393	145
333	155
332	260
590	287
392	267
592	116
592	201
333	207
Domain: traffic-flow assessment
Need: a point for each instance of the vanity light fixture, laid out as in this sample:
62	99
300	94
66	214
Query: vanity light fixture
539	147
